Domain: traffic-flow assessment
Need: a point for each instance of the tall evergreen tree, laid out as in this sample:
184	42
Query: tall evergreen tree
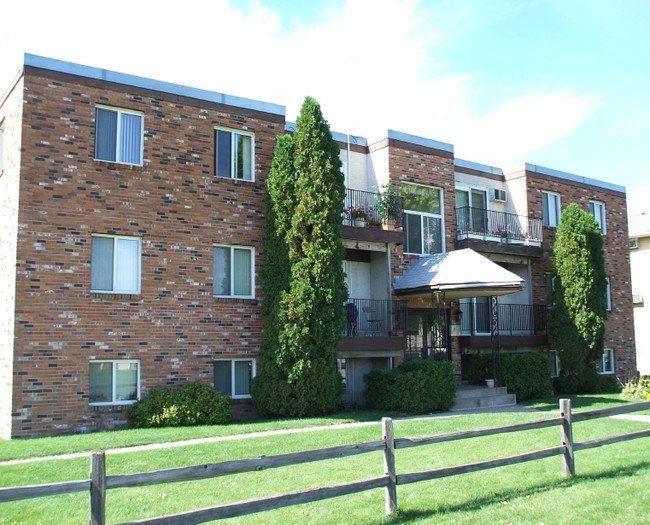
303	275
579	303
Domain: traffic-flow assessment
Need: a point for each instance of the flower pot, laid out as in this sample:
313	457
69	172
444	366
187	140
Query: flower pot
489	383
360	223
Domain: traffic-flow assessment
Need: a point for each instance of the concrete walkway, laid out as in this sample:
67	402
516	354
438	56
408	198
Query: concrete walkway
251	435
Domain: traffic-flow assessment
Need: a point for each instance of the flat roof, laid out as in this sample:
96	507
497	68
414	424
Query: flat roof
574	178
460	163
147	83
420	141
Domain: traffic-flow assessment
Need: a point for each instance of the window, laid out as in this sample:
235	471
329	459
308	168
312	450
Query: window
471	210
423	222
233	154
118	136
232	377
114	382
597	209
608	295
606	363
550	209
233	271
115	264
634	244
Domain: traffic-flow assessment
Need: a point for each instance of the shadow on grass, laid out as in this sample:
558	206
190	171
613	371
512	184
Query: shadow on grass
578	402
497	497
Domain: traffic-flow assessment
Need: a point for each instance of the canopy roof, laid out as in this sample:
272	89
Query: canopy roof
461	273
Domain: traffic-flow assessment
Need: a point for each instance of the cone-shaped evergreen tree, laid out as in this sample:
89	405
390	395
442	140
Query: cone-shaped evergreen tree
579	305
303	281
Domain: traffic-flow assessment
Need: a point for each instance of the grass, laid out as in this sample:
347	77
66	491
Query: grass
610	486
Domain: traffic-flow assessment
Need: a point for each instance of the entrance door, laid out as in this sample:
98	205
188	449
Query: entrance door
428	335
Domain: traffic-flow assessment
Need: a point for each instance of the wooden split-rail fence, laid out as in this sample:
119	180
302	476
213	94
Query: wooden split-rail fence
99	482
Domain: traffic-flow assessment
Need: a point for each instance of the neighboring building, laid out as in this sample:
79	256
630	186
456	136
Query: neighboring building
131	241
640	262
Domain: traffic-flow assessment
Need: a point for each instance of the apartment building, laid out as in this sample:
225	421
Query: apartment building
640	262
131	241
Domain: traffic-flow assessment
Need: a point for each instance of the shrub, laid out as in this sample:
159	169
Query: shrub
414	387
192	404
527	375
637	389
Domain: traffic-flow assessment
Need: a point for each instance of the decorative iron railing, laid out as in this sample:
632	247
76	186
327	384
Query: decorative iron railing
375	317
361	204
497	226
514	319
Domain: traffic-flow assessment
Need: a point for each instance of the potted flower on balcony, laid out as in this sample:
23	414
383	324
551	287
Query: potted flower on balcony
359	216
388	207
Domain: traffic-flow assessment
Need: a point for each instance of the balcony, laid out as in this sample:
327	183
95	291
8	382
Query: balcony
368	216
374	325
519	325
498	232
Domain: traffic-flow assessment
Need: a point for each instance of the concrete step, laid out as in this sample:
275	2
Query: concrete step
469	397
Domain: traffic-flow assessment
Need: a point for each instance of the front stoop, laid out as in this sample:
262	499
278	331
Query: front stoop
469	397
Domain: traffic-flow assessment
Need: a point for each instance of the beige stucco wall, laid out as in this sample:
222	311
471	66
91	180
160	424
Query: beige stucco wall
640	262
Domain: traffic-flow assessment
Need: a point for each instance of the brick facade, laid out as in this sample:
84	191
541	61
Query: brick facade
178	209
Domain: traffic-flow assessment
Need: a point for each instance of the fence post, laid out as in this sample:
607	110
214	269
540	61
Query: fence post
390	492
568	460
98	488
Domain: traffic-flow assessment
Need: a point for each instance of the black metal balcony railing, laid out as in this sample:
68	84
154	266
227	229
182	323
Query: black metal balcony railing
375	317
514	319
371	206
497	226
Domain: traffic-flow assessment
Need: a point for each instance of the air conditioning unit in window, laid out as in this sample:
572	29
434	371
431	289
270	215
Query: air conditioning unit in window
499	195
634	243
637	299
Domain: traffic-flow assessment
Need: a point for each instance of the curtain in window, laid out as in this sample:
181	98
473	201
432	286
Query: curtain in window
223	377
101	266
413	233
105	134
432	228
101	382
222	153
128	267
243	156
130	138
221	270
126	381
242	272
243	373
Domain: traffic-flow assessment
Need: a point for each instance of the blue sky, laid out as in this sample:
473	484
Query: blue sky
564	84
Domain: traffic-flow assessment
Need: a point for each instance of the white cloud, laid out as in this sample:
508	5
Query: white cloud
372	65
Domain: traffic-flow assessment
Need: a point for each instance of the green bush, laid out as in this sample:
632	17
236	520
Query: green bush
637	389
192	404
414	387
527	375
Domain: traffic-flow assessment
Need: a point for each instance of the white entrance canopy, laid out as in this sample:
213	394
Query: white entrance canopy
461	273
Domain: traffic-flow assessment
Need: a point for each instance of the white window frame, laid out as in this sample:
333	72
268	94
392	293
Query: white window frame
114	400
608	295
233	386
607	356
597	209
232	248
118	153
423	214
118	266
233	153
551	218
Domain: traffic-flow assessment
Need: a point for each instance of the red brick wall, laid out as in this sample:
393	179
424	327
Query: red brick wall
174	203
619	333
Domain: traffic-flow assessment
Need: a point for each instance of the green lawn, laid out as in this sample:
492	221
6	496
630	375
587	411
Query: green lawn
610	486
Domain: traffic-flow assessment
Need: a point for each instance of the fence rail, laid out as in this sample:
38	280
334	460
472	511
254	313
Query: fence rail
99	482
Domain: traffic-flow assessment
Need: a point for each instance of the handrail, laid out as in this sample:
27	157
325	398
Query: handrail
374	317
514	319
495	225
370	204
